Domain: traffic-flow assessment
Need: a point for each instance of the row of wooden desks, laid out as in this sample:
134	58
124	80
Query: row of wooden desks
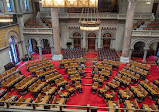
128	75
146	107
9	75
136	91
134	70
110	105
122	93
38	89
128	105
28	100
37	64
26	85
44	67
52	91
156	82
9	85
45	100
111	85
153	92
121	80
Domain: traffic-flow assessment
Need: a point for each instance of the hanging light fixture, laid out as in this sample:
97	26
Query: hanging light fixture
6	18
89	20
148	2
69	3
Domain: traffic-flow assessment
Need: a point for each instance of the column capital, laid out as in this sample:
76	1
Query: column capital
131	49
145	48
51	45
132	0
39	46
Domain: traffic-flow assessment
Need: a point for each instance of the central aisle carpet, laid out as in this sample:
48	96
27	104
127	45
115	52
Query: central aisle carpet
86	97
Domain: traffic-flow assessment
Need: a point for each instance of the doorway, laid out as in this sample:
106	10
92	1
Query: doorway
91	43
106	43
37	7
106	40
154	9
77	40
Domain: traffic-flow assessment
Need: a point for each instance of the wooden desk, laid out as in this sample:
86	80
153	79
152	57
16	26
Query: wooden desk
45	100
13	98
62	101
136	91
52	90
112	85
122	93
27	84
39	87
110	104
128	105
146	107
28	100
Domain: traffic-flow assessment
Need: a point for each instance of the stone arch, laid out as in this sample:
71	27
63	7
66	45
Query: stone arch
76	31
109	32
49	40
153	41
92	32
12	33
139	40
28	38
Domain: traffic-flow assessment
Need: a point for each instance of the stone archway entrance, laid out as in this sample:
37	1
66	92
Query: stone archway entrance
91	41
77	39
106	40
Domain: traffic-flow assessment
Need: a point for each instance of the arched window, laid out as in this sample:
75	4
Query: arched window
107	35
1	5
76	34
91	35
9	6
13	53
26	5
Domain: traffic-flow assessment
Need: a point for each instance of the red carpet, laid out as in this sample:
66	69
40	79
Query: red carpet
86	97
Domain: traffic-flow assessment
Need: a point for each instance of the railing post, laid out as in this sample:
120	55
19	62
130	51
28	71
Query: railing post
7	105
87	109
60	108
34	106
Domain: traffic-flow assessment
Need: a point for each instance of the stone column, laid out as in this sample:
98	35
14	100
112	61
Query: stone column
128	29
130	53
145	55
27	49
40	51
99	38
84	39
52	51
56	34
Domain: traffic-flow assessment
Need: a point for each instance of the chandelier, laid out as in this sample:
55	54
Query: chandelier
69	3
89	20
6	18
148	2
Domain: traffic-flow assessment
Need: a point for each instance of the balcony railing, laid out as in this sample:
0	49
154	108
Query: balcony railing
101	15
45	31
145	33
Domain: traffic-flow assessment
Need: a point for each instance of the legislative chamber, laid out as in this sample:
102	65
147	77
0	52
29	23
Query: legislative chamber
79	55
